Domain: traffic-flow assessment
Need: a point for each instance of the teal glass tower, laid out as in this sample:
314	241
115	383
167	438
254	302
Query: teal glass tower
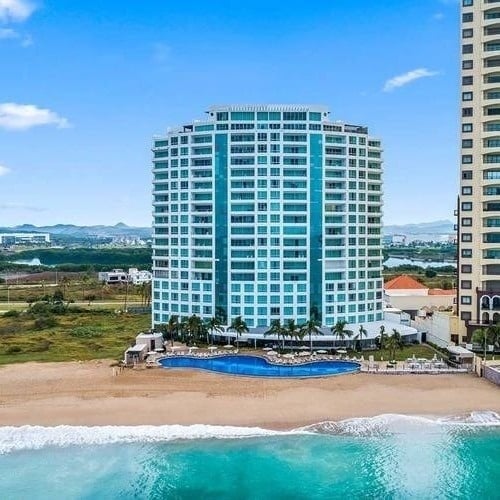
267	212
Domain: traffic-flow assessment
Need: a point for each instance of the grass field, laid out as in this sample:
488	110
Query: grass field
76	336
420	351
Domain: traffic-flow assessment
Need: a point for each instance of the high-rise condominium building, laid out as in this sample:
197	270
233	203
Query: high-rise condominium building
267	212
479	198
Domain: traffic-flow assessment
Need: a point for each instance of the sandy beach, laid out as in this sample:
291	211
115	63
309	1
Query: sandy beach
88	394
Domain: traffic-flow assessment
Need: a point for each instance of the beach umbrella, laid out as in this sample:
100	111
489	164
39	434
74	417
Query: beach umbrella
341	351
212	348
228	346
289	356
193	348
267	349
305	353
272	353
321	351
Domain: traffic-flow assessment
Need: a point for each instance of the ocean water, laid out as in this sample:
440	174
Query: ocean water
389	457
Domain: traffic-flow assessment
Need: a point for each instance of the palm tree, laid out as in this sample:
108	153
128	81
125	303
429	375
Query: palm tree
239	326
494	334
196	327
340	331
172	327
311	327
213	325
359	337
86	280
382	337
145	291
64	281
277	329
484	336
292	330
393	342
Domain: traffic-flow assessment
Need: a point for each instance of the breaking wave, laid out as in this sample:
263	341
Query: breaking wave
32	437
394	424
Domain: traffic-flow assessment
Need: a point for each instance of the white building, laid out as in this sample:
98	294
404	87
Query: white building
479	197
139	277
134	276
407	294
268	212
12	239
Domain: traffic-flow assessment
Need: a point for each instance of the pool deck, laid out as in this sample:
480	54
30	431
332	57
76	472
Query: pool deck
381	368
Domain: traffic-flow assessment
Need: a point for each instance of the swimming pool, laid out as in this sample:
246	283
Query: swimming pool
255	366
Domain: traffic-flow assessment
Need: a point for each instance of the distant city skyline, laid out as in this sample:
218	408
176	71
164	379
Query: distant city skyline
85	86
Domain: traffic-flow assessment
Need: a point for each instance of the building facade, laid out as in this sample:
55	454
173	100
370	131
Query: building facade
18	239
267	212
479	198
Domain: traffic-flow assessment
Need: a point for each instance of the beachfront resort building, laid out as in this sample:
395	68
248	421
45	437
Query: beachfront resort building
479	198
268	212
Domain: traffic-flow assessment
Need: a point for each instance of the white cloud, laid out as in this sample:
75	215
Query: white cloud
406	78
24	116
15	10
10	34
20	206
4	170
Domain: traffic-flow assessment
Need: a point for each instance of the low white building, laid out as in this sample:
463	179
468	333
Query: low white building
138	277
145	342
134	276
135	354
407	294
153	340
113	276
259	336
12	239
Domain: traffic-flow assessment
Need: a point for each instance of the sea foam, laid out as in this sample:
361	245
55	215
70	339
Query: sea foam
395	423
33	437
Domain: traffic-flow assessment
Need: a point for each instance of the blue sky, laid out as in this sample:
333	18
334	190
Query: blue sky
85	85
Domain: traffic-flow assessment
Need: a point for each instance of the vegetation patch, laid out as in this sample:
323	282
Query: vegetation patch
85	332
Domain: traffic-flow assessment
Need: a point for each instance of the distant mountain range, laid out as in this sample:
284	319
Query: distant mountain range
440	227
424	228
72	231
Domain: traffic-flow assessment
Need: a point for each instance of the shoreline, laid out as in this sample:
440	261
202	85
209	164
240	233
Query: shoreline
87	394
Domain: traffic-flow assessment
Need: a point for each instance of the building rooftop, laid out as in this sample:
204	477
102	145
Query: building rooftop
440	291
269	107
404	282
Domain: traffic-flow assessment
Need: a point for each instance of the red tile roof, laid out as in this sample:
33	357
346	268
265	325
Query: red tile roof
404	282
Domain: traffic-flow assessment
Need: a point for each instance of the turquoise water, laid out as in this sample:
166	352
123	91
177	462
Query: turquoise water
390	457
255	366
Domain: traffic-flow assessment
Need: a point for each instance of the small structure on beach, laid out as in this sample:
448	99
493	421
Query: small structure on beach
145	343
153	340
460	355
136	354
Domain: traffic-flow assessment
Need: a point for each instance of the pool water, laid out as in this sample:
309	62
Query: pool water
255	366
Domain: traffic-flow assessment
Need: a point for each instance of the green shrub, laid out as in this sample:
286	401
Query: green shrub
11	314
42	346
13	349
85	332
43	322
47	308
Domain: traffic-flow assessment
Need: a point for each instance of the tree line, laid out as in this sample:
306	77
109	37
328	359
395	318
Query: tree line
193	329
